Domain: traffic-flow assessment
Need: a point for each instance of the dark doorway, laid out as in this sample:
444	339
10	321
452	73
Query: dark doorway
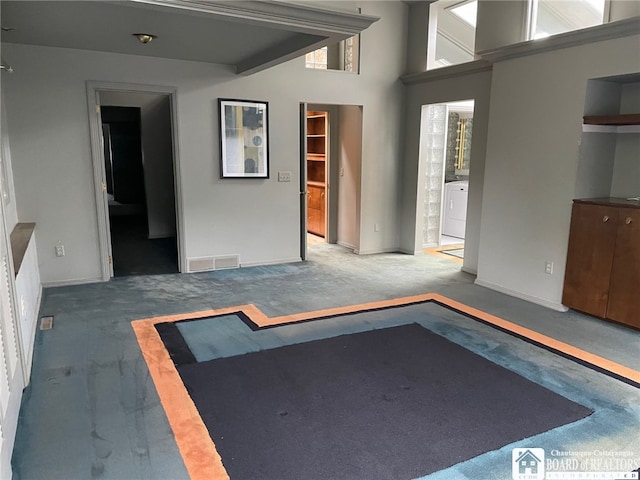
133	251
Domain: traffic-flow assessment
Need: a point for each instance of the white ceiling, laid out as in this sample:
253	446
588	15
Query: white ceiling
248	35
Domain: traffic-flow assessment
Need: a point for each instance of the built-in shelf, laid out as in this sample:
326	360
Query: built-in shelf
317	129
613	120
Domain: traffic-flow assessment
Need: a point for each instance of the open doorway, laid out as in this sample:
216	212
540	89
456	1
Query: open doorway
138	159
446	134
331	158
318	162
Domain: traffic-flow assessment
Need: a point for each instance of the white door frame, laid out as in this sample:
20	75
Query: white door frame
99	175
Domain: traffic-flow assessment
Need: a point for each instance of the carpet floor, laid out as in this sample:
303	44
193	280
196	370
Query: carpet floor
212	338
394	403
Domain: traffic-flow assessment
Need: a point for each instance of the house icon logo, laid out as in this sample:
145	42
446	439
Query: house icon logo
527	463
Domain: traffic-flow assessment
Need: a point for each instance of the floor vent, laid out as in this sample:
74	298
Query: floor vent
205	264
46	323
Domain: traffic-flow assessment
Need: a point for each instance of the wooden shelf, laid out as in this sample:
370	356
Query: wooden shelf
614	120
316	172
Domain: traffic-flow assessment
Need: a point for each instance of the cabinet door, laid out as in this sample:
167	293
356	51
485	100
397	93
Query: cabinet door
624	296
592	240
314	197
313	221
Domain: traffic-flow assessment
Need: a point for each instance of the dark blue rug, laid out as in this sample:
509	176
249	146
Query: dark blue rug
395	403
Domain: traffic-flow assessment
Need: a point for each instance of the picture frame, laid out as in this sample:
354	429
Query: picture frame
244	139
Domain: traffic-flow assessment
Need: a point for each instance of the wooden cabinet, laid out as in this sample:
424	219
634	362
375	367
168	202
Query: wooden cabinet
316	172
603	261
316	210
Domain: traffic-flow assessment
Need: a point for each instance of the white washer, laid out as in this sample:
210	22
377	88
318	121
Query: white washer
455	208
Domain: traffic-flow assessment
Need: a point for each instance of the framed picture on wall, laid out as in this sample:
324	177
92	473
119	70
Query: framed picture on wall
244	139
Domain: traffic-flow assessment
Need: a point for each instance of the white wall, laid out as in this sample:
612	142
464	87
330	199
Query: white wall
535	125
350	125
10	210
626	170
500	23
48	127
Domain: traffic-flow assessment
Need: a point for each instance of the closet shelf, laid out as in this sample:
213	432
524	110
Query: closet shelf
615	120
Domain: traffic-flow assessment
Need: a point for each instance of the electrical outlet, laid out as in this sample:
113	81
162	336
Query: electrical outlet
376	227
548	267
59	250
284	176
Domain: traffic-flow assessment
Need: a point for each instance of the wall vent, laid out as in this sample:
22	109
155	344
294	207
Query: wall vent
205	264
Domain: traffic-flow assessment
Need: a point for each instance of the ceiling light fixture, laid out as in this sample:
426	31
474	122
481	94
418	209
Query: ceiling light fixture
144	37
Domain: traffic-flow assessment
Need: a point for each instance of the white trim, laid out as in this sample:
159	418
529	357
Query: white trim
610	128
381	250
308	19
271	262
584	36
346	245
93	89
99	176
70	283
443	73
523	296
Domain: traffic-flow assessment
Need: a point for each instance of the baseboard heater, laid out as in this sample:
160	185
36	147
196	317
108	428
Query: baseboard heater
206	264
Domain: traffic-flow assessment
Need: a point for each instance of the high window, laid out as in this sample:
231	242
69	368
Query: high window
452	32
343	56
452	25
550	17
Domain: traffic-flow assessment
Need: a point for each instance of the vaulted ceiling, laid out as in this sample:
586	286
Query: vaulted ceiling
249	36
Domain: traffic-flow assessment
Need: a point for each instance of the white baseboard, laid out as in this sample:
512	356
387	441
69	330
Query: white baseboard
271	262
472	271
523	296
381	250
68	283
346	245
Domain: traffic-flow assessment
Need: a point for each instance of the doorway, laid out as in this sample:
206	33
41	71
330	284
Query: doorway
318	162
446	135
136	168
330	165
139	245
